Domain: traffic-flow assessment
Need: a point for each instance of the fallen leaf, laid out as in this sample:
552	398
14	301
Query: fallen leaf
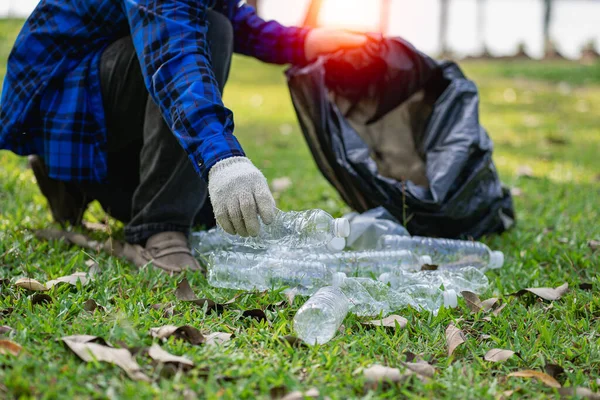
549	294
393	321
293	341
594	245
485	337
422	368
185	293
554	370
167	309
290	295
498	310
472	300
90	306
490	304
297	395
498	355
454	338
379	373
40	298
429	267
90	351
186	332
158	354
217	338
256	314
586	286
31	284
9	347
544	378
72	279
5	329
487	319
579	392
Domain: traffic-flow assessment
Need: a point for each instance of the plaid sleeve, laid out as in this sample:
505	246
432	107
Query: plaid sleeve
170	39
268	41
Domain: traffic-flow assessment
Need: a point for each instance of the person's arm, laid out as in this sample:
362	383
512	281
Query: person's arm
268	41
170	39
274	43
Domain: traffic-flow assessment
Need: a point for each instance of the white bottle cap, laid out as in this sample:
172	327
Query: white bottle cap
336	245
426	260
341	228
450	298
496	259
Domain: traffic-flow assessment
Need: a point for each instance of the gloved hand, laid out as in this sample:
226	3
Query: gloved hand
239	193
323	40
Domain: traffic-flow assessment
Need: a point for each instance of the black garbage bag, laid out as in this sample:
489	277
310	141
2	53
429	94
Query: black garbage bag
388	126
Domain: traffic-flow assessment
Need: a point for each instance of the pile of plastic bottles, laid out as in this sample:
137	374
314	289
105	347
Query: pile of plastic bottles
365	264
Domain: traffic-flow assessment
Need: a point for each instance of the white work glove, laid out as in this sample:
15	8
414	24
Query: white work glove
239	193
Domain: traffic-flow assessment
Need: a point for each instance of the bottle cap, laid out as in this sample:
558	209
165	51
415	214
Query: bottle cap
341	228
450	298
336	245
496	259
426	260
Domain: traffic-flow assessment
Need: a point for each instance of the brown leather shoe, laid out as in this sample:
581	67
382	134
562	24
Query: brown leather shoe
65	206
170	251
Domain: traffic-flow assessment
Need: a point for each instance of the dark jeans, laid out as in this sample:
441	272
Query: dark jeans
152	185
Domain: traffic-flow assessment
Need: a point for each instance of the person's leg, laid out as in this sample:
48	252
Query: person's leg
171	194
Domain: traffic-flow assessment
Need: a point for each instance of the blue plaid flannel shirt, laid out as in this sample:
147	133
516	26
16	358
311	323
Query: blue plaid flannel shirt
51	101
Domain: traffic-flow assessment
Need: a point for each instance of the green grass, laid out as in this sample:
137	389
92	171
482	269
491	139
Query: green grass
558	213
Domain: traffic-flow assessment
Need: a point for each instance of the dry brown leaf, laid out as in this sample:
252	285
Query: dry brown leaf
544	378
72	279
31	284
158	354
379	373
10	347
90	351
217	338
187	333
256	314
5	329
429	267
549	294
422	368
6	312
454	338
90	306
297	395
498	310
581	392
185	293
393	321
40	298
472	301
594	245
490	304
498	355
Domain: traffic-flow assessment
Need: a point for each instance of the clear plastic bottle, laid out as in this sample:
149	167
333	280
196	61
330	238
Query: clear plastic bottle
203	242
468	278
319	319
246	271
445	252
305	229
370	262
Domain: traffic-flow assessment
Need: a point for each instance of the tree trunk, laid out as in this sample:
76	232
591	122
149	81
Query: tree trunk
312	15
444	16
386	9
253	3
547	20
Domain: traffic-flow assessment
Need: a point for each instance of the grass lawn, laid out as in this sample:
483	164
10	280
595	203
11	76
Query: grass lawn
540	116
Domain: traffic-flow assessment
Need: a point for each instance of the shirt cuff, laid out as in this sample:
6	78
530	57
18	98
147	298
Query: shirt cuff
294	43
